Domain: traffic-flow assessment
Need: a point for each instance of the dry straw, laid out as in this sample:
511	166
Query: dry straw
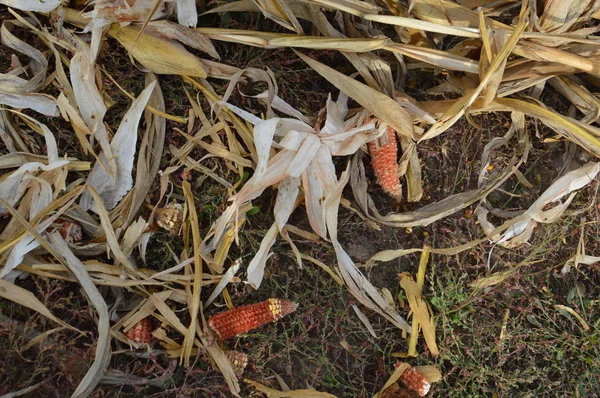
79	219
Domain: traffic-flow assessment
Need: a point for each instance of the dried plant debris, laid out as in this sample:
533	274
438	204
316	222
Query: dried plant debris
86	144
522	228
272	393
240	320
305	160
421	312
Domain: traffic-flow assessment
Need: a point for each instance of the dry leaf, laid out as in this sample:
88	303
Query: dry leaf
112	188
103	350
421	312
25	298
32	5
272	393
521	231
377	103
160	55
363	318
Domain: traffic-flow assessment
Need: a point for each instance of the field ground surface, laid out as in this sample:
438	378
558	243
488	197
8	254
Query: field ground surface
499	313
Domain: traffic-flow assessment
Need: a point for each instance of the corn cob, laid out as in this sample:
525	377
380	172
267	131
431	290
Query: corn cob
415	381
170	217
242	319
239	361
383	153
70	231
141	332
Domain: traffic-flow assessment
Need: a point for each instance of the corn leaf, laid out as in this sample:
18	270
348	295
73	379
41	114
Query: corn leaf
158	54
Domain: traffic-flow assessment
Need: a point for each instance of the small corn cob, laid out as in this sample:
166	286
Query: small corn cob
186	174
415	381
239	361
383	153
242	319
141	332
170	217
70	231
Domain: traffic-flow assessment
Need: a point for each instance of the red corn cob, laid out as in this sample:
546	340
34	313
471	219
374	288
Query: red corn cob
383	153
242	319
239	361
70	231
415	381
141	332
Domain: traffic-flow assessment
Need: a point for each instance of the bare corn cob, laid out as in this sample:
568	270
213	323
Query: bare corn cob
141	332
170	217
384	151
242	319
415	381
239	361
